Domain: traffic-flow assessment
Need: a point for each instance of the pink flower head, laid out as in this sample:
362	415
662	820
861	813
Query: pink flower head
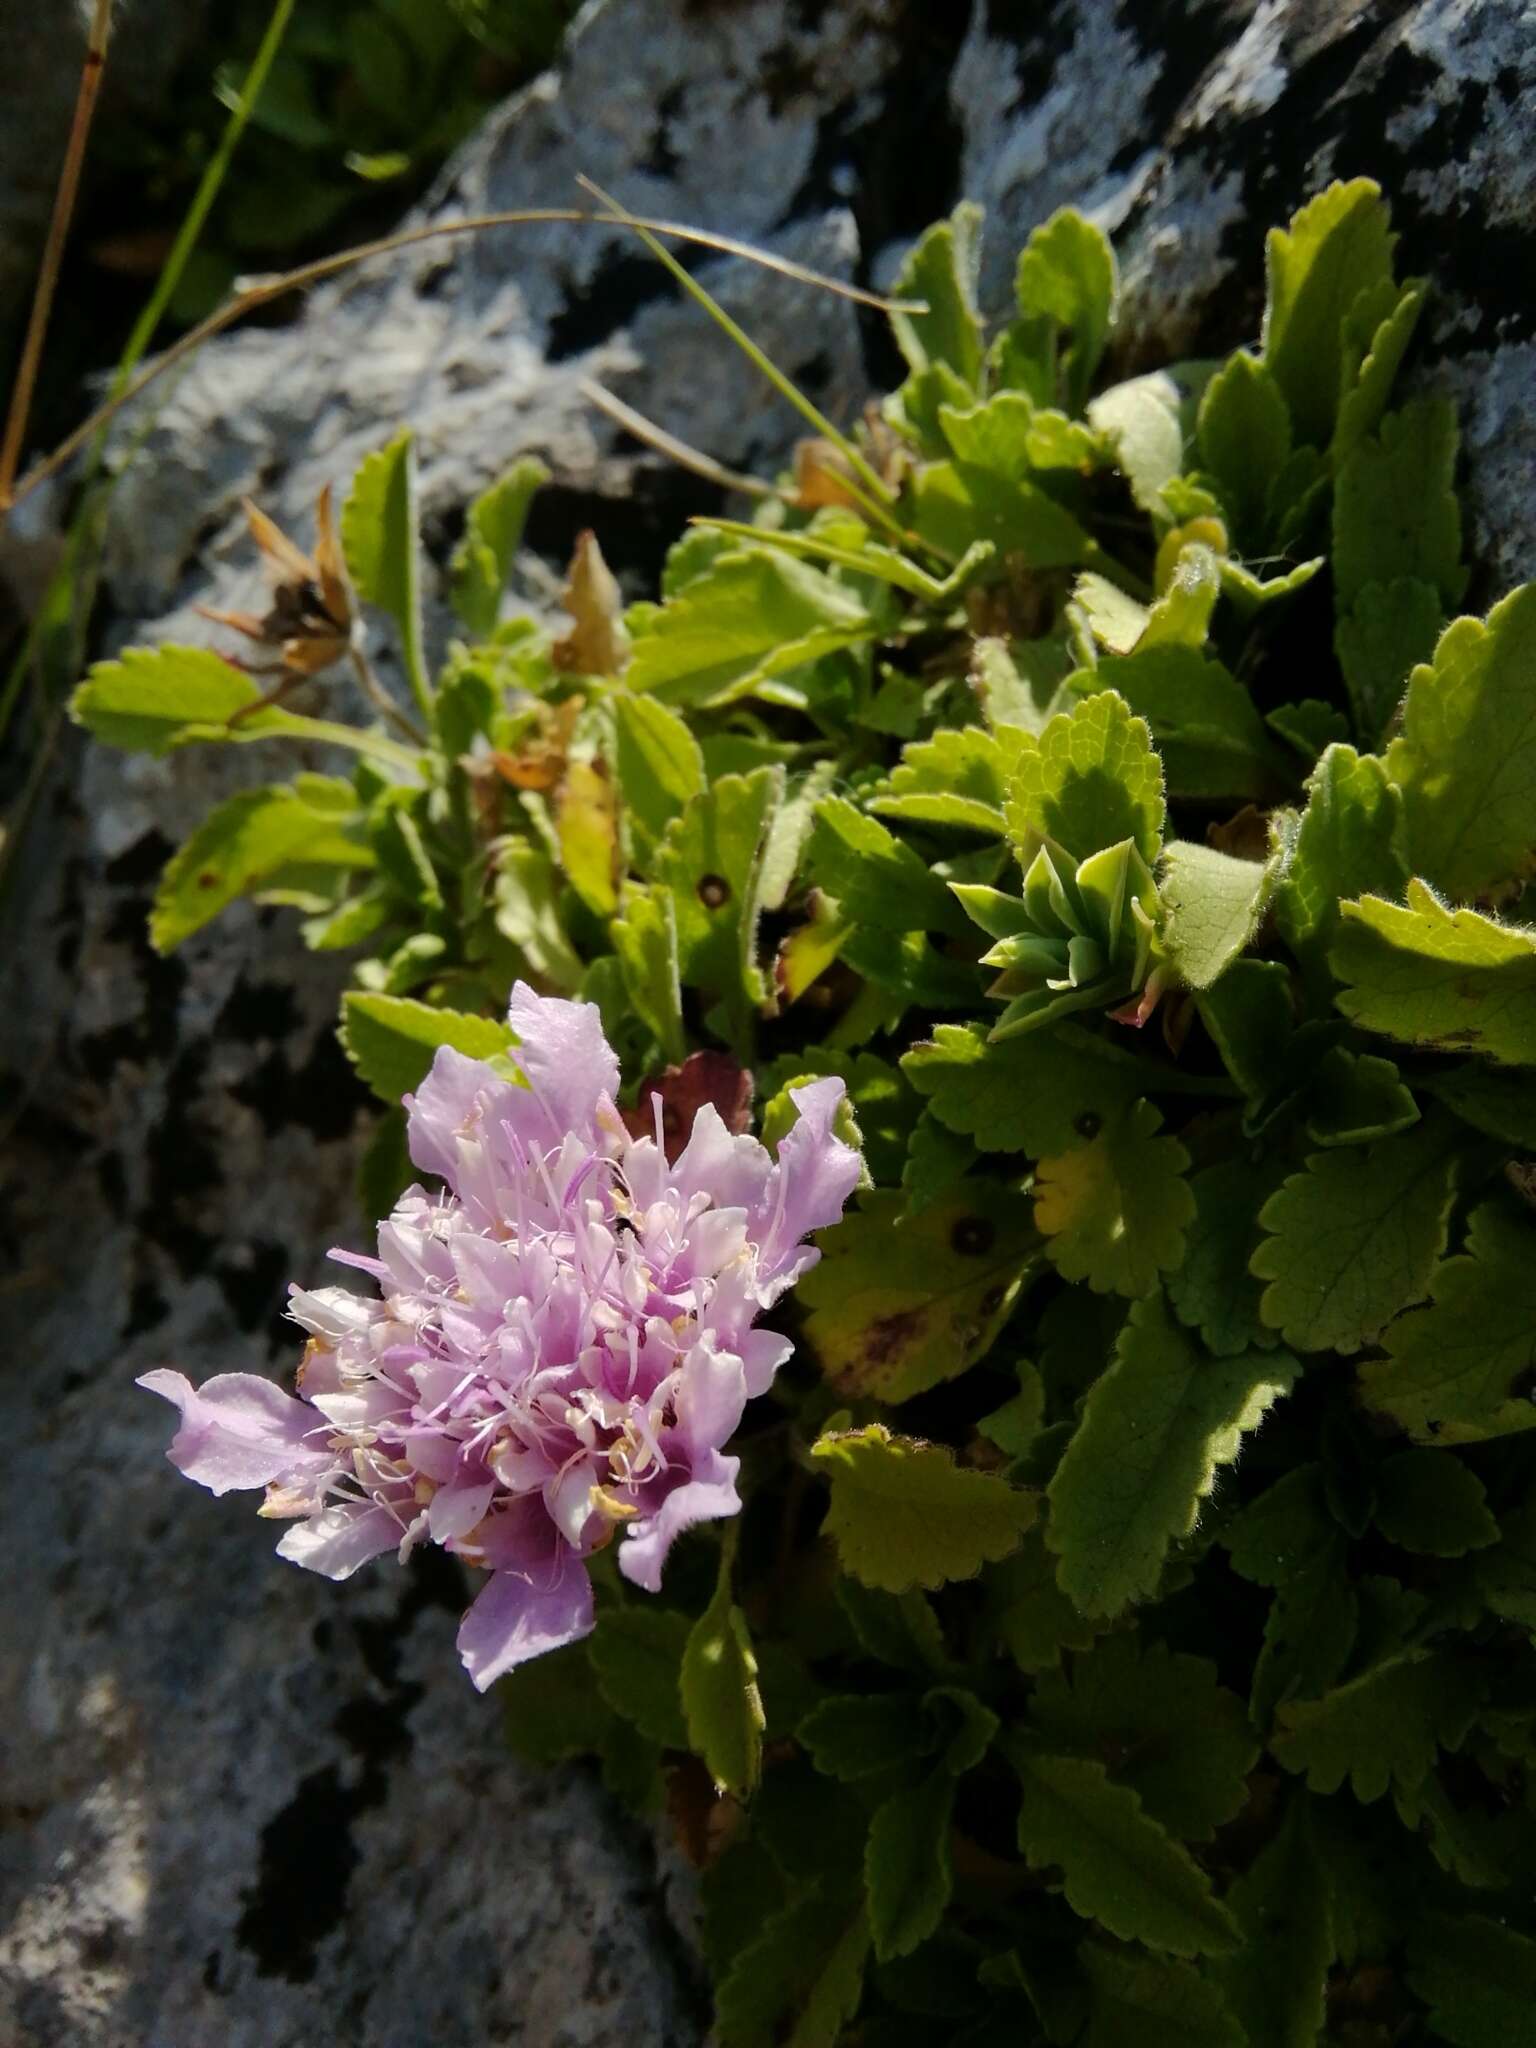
561	1346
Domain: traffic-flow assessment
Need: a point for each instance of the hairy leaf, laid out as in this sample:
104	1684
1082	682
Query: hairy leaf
1118	1866
1038	1095
1459	1370
1382	1728
1465	759
1213	1290
1114	1211
1090	780
1154	1431
1208	731
904	1514
1450	981
719	1690
1336	247
1350	841
955	778
1395	513
391	1040
1353	1238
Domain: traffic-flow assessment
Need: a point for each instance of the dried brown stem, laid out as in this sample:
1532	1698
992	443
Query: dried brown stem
262	291
53	248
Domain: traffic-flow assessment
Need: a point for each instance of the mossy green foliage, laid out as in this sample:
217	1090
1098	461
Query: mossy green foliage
1129	1633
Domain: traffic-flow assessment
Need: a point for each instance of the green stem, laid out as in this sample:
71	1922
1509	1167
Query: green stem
208	189
880	497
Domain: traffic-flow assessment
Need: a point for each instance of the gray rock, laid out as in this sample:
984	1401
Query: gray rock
255	1807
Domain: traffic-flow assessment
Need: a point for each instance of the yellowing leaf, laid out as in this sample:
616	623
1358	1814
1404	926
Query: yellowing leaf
888	1316
1155	1428
904	1514
587	825
1114	1211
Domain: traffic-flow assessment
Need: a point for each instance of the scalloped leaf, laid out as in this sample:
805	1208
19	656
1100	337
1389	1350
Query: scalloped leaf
904	1514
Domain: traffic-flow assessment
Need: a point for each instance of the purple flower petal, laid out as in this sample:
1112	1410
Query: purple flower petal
519	1615
238	1430
817	1172
340	1538
710	1499
565	1059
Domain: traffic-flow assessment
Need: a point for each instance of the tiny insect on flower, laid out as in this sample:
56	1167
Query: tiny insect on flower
561	1346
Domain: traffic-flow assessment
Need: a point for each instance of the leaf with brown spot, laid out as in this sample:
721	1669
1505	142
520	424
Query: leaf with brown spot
897	1307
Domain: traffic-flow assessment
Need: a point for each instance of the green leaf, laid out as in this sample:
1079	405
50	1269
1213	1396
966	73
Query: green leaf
1033	1618
1245	440
660	766
751	615
1431	1503
1276	1983
1491	1099
553	1710
898	1630
904	1514
1477	1976
1458	1371
1387	632
1066	286
1041	1095
1350	841
1283	1532
1152	2002
1353	1238
1118	1866
719	1690
1142	421
1309	1634
1213	1291
1177	1738
1113	1212
527	912
1090	780
1210	735
1251	1021
955	778
1450	981
1395	511
887	1327
877	879
1355	1097
799	1982
154	698
391	1040
937	1158
1377	330
637	1653
1382	1728
908	1873
644	937
1465	759
1336	247
958	506
244	844
861	1736
493	531
1155	1429
1212	903
379	537
941	270
711	859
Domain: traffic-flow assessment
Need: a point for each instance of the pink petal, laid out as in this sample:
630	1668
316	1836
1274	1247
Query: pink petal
238	1430
646	1543
340	1538
565	1059
817	1172
519	1615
